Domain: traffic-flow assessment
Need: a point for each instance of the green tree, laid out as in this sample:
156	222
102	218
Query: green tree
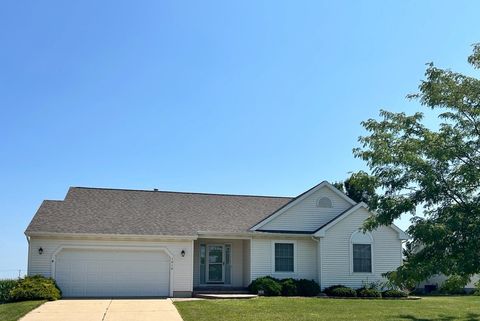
435	169
360	187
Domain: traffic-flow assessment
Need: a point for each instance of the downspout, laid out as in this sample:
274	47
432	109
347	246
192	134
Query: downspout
28	254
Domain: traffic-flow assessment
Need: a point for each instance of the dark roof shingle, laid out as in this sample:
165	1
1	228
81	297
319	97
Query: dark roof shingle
137	212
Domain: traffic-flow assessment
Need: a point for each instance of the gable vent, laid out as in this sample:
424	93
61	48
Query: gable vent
324	202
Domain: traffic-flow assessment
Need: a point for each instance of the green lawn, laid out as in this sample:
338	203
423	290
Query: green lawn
302	309
14	311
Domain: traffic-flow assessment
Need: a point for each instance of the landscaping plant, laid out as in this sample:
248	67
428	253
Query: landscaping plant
5	287
368	293
268	285
35	288
329	290
394	294
307	287
455	284
289	287
344	292
477	288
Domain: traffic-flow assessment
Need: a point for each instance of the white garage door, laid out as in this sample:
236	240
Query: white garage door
112	273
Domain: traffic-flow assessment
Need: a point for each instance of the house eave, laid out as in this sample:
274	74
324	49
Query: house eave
250	234
110	236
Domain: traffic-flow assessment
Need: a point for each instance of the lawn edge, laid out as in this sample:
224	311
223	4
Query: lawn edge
23	316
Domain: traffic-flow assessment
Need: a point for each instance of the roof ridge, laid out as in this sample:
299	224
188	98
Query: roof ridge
177	192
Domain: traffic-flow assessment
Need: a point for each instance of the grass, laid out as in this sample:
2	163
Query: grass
14	311
303	309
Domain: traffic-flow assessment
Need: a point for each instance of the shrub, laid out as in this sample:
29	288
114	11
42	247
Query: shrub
394	294
454	285
401	279
5	287
289	287
267	284
35	288
344	292
368	293
307	287
328	291
476	290
375	285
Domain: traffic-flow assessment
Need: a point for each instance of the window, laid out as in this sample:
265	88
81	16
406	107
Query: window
361	255
362	258
284	257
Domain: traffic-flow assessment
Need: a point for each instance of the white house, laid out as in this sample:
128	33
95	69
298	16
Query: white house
114	242
435	282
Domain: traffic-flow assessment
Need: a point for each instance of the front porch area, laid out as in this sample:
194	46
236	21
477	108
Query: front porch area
221	265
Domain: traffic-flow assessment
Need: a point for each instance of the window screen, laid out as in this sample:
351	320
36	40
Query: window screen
283	257
362	258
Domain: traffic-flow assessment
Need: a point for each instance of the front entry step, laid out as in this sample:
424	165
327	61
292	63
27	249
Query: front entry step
222	292
212	289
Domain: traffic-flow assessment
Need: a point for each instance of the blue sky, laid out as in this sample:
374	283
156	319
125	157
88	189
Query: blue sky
212	96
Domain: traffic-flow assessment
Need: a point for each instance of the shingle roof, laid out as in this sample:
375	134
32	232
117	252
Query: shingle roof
138	212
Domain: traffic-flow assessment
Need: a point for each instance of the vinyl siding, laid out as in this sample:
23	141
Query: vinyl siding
440	278
336	252
306	216
182	269
305	259
237	260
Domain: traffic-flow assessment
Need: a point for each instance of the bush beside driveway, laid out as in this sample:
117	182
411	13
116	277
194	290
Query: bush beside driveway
306	309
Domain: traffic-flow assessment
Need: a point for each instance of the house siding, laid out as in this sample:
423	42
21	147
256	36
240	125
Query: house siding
306	216
440	278
305	259
182	269
336	252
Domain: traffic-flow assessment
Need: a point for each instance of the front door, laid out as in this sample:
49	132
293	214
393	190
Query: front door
215	266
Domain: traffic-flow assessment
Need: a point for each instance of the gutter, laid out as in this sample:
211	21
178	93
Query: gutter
248	235
202	234
28	254
112	236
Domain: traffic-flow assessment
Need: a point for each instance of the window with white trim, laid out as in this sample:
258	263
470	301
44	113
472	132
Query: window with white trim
284	257
362	258
361	255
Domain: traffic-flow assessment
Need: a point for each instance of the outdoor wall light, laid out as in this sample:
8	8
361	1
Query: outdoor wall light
40	251
182	253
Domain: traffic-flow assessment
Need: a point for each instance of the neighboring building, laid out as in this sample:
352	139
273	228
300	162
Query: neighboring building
114	242
435	283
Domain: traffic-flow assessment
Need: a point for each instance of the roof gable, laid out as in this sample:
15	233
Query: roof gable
308	211
360	207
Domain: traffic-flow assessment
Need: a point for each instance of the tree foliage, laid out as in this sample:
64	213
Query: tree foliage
360	187
436	170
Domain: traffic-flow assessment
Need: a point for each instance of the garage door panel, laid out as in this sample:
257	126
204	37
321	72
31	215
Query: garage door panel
86	272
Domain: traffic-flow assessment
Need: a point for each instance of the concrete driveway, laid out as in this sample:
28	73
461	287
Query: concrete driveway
105	310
